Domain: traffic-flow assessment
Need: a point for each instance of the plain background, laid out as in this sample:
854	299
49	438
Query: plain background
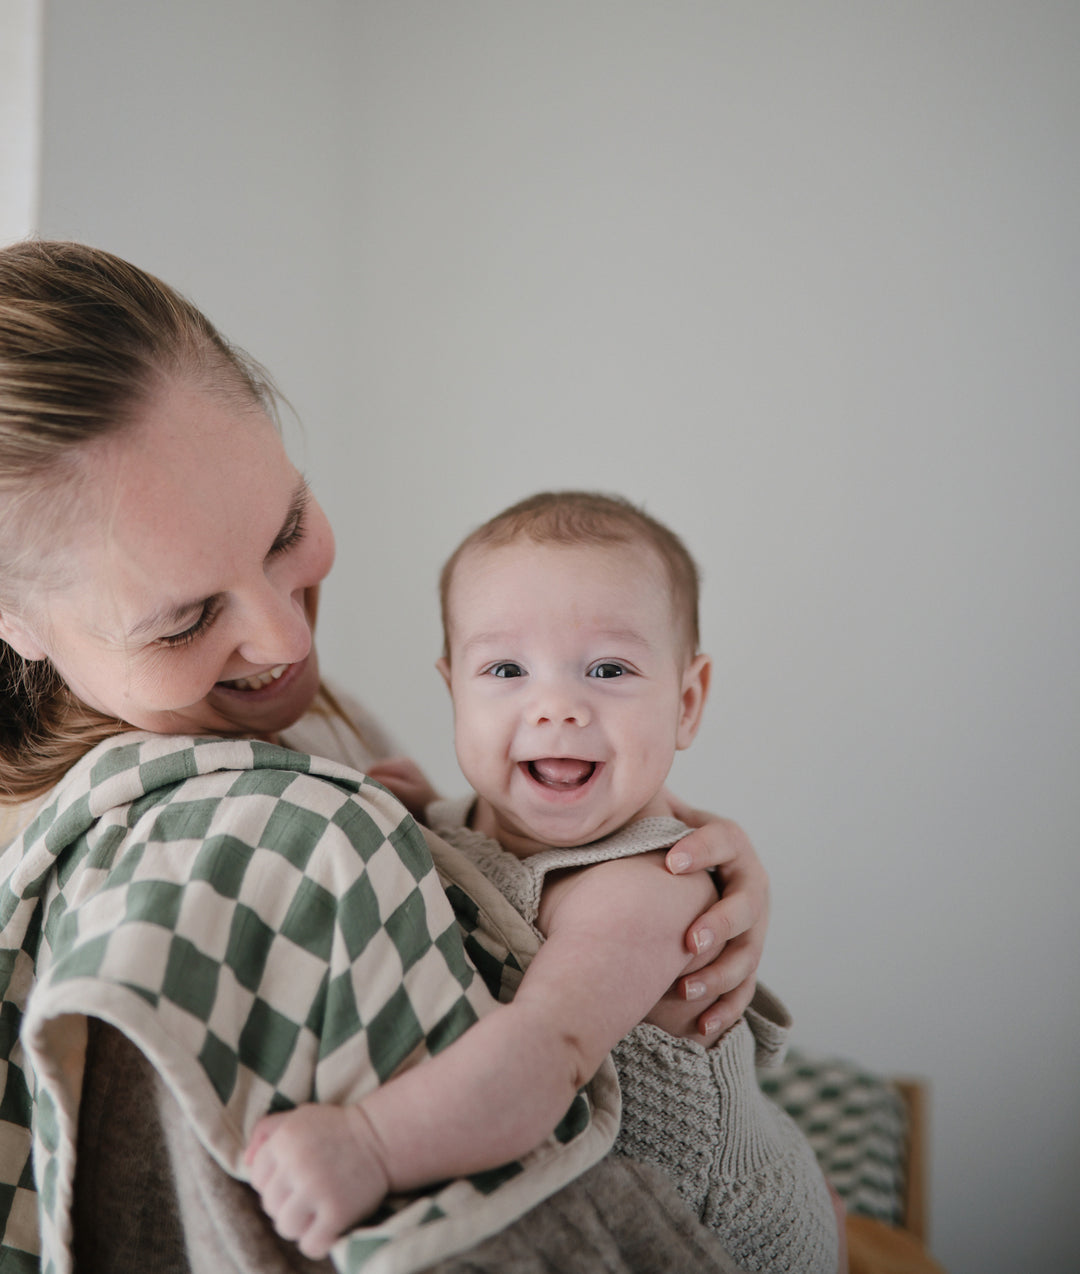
801	277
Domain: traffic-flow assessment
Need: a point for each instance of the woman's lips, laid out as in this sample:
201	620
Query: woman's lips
264	685
257	681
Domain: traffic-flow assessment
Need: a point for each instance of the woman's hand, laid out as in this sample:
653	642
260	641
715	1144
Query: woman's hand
405	779
734	927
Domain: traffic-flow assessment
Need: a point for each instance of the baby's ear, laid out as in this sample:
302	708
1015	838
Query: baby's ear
21	639
695	690
443	665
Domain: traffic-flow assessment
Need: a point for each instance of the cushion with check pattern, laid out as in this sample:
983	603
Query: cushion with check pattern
856	1123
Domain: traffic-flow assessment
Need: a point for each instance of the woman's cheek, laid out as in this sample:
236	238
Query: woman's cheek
176	678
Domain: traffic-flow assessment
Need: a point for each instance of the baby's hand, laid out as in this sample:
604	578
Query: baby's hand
318	1170
407	782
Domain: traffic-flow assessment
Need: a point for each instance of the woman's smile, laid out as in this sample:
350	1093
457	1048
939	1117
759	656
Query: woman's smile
256	681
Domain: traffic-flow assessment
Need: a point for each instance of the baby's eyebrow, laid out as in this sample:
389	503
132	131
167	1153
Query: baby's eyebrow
483	639
613	636
625	636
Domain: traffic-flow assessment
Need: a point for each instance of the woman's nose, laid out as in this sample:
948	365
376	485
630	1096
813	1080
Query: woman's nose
278	631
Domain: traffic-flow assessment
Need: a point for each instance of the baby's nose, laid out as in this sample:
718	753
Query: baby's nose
557	707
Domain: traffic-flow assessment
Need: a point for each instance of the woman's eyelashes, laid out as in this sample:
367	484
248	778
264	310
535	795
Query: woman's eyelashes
293	530
209	613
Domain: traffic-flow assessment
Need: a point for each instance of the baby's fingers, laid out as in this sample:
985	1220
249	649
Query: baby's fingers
262	1133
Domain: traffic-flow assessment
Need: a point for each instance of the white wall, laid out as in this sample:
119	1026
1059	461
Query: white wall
804	279
20	116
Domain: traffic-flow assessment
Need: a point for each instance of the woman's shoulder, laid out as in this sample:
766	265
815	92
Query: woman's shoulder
176	785
339	727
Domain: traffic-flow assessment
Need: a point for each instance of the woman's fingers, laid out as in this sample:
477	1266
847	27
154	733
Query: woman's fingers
724	988
735	915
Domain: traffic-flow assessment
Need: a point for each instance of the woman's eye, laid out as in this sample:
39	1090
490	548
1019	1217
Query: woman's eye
292	533
507	670
209	614
608	669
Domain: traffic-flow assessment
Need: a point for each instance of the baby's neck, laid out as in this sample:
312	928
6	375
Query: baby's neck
484	818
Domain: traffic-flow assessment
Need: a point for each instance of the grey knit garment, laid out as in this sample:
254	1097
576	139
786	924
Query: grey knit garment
696	1113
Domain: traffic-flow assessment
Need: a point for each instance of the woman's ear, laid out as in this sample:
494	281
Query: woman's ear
443	665
21	639
695	690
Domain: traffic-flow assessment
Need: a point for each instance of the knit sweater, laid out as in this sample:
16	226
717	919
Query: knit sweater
695	1112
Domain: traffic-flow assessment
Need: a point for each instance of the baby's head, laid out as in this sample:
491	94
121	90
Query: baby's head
570	649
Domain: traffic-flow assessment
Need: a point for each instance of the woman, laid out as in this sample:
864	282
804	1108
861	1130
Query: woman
262	923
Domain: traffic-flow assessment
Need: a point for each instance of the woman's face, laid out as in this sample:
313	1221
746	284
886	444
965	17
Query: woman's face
195	573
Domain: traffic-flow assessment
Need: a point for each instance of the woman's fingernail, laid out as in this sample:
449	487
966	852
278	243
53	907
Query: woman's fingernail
703	940
678	861
712	1025
695	990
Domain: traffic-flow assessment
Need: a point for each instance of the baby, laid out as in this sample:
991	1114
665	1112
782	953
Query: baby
571	637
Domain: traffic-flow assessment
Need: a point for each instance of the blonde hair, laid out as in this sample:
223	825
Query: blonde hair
582	518
85	338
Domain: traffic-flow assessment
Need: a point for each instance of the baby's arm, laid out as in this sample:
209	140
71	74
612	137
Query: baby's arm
407	781
495	1093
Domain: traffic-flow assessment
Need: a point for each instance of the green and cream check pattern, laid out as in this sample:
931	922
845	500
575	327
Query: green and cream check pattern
856	1123
269	929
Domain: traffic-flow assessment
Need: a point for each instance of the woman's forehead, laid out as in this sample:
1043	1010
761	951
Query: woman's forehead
172	504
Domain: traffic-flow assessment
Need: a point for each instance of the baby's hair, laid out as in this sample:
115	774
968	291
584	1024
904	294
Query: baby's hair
574	518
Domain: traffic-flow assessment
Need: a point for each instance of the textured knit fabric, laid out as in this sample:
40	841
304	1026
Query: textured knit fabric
268	929
698	1114
619	1217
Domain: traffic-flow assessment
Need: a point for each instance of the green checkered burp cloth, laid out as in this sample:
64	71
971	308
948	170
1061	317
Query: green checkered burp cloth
269	929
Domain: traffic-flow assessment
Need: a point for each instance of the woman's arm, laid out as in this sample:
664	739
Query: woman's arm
732	931
500	1089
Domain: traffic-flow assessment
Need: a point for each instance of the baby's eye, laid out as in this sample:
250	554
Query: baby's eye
607	669
507	670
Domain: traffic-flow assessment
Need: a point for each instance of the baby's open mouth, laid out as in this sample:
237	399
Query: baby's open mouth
561	771
259	681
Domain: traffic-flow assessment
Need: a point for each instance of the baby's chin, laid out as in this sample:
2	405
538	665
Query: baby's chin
530	836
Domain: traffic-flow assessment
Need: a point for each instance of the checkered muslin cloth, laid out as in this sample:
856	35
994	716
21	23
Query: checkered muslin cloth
269	928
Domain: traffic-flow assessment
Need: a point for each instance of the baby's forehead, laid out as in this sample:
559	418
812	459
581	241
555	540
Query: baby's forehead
622	581
523	553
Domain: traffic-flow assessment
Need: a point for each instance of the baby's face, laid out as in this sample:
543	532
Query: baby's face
572	688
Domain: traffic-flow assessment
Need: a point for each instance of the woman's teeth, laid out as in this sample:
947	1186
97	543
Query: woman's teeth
258	681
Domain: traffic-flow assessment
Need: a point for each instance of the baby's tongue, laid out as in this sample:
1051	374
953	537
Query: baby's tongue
561	771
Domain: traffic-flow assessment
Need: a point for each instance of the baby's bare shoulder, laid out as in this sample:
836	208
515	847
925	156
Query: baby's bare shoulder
637	890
